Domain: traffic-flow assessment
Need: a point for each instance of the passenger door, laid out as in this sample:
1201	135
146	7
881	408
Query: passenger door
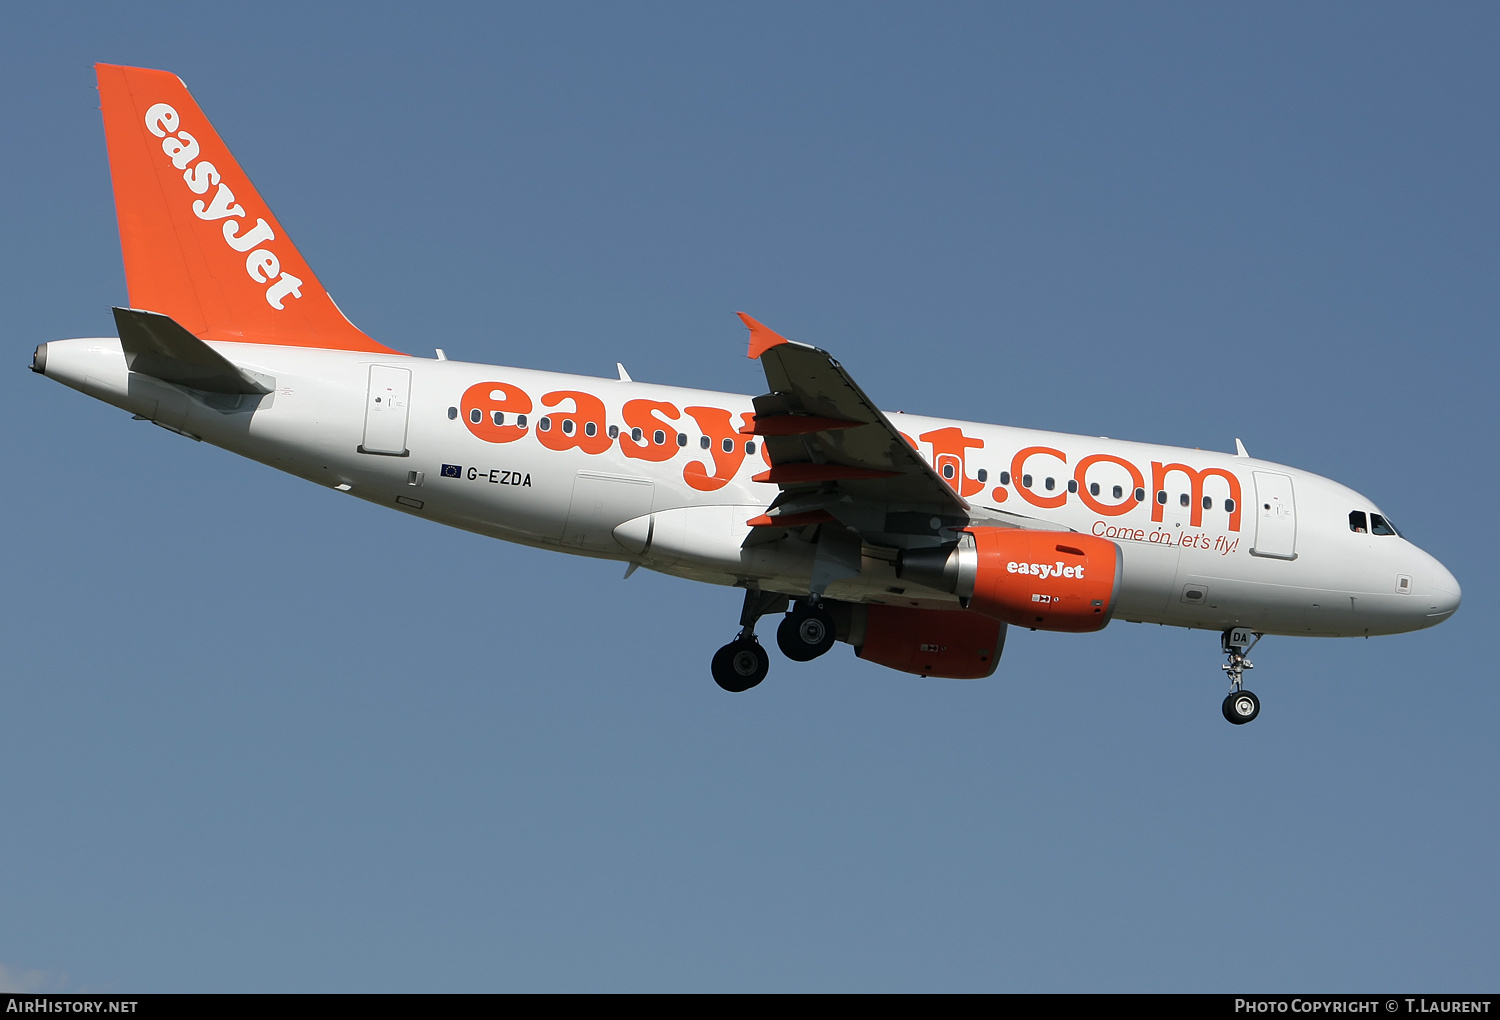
385	411
1275	517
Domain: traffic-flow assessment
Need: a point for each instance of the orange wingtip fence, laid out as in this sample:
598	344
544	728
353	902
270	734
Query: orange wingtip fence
762	339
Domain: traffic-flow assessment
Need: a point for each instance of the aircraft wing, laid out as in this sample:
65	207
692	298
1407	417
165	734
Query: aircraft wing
836	456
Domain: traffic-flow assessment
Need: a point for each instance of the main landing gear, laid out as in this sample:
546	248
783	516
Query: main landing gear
743	663
1241	706
805	633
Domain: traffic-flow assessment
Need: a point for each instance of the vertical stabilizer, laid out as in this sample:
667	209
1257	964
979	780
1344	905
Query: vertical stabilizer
200	244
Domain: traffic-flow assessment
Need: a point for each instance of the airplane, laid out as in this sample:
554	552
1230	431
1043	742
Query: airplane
917	540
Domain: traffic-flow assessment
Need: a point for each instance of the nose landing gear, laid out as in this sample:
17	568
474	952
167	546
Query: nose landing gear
743	663
1241	706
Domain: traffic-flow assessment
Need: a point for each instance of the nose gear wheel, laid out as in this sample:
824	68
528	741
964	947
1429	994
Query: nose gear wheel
1241	707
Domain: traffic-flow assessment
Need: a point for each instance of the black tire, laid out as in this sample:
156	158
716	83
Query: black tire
805	633
1241	707
740	665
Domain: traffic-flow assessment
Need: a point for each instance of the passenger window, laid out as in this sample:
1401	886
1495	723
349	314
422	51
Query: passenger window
1119	492
750	446
476	416
544	424
452	413
982	475
1072	485
1026	481
1183	500
1357	522
1378	526
948	471
567	426
498	417
590	429
704	442
636	434
1094	489
1161	496
1005	478
1208	502
1050	485
1140	495
614	432
727	446
1229	506
659	437
682	439
520	421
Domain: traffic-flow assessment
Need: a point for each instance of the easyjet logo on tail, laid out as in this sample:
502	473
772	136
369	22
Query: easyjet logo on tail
261	263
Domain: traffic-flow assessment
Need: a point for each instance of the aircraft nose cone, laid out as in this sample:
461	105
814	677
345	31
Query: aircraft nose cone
1444	594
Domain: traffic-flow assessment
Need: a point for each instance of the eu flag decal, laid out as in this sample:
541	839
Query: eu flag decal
452	471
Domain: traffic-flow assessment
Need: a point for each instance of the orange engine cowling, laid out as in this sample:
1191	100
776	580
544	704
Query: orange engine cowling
1045	580
932	642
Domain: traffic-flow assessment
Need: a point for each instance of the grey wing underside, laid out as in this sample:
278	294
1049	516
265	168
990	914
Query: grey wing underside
834	454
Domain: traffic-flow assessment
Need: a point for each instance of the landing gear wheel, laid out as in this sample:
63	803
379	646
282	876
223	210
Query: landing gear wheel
740	665
805	633
1241	707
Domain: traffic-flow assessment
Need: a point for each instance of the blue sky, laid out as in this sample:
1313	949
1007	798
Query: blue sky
260	736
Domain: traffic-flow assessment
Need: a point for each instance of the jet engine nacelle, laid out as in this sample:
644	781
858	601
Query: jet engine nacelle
929	642
1044	580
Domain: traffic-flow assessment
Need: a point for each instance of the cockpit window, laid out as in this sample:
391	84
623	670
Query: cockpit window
1357	521
1380	526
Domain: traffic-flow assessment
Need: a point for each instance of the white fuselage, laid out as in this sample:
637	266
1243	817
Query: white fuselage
1285	559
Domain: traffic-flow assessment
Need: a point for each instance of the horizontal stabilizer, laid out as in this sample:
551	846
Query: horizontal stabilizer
155	345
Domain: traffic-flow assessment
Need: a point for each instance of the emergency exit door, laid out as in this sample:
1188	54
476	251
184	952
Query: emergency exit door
385	411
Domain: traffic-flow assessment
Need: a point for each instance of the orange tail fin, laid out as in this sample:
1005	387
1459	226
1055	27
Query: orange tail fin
200	243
